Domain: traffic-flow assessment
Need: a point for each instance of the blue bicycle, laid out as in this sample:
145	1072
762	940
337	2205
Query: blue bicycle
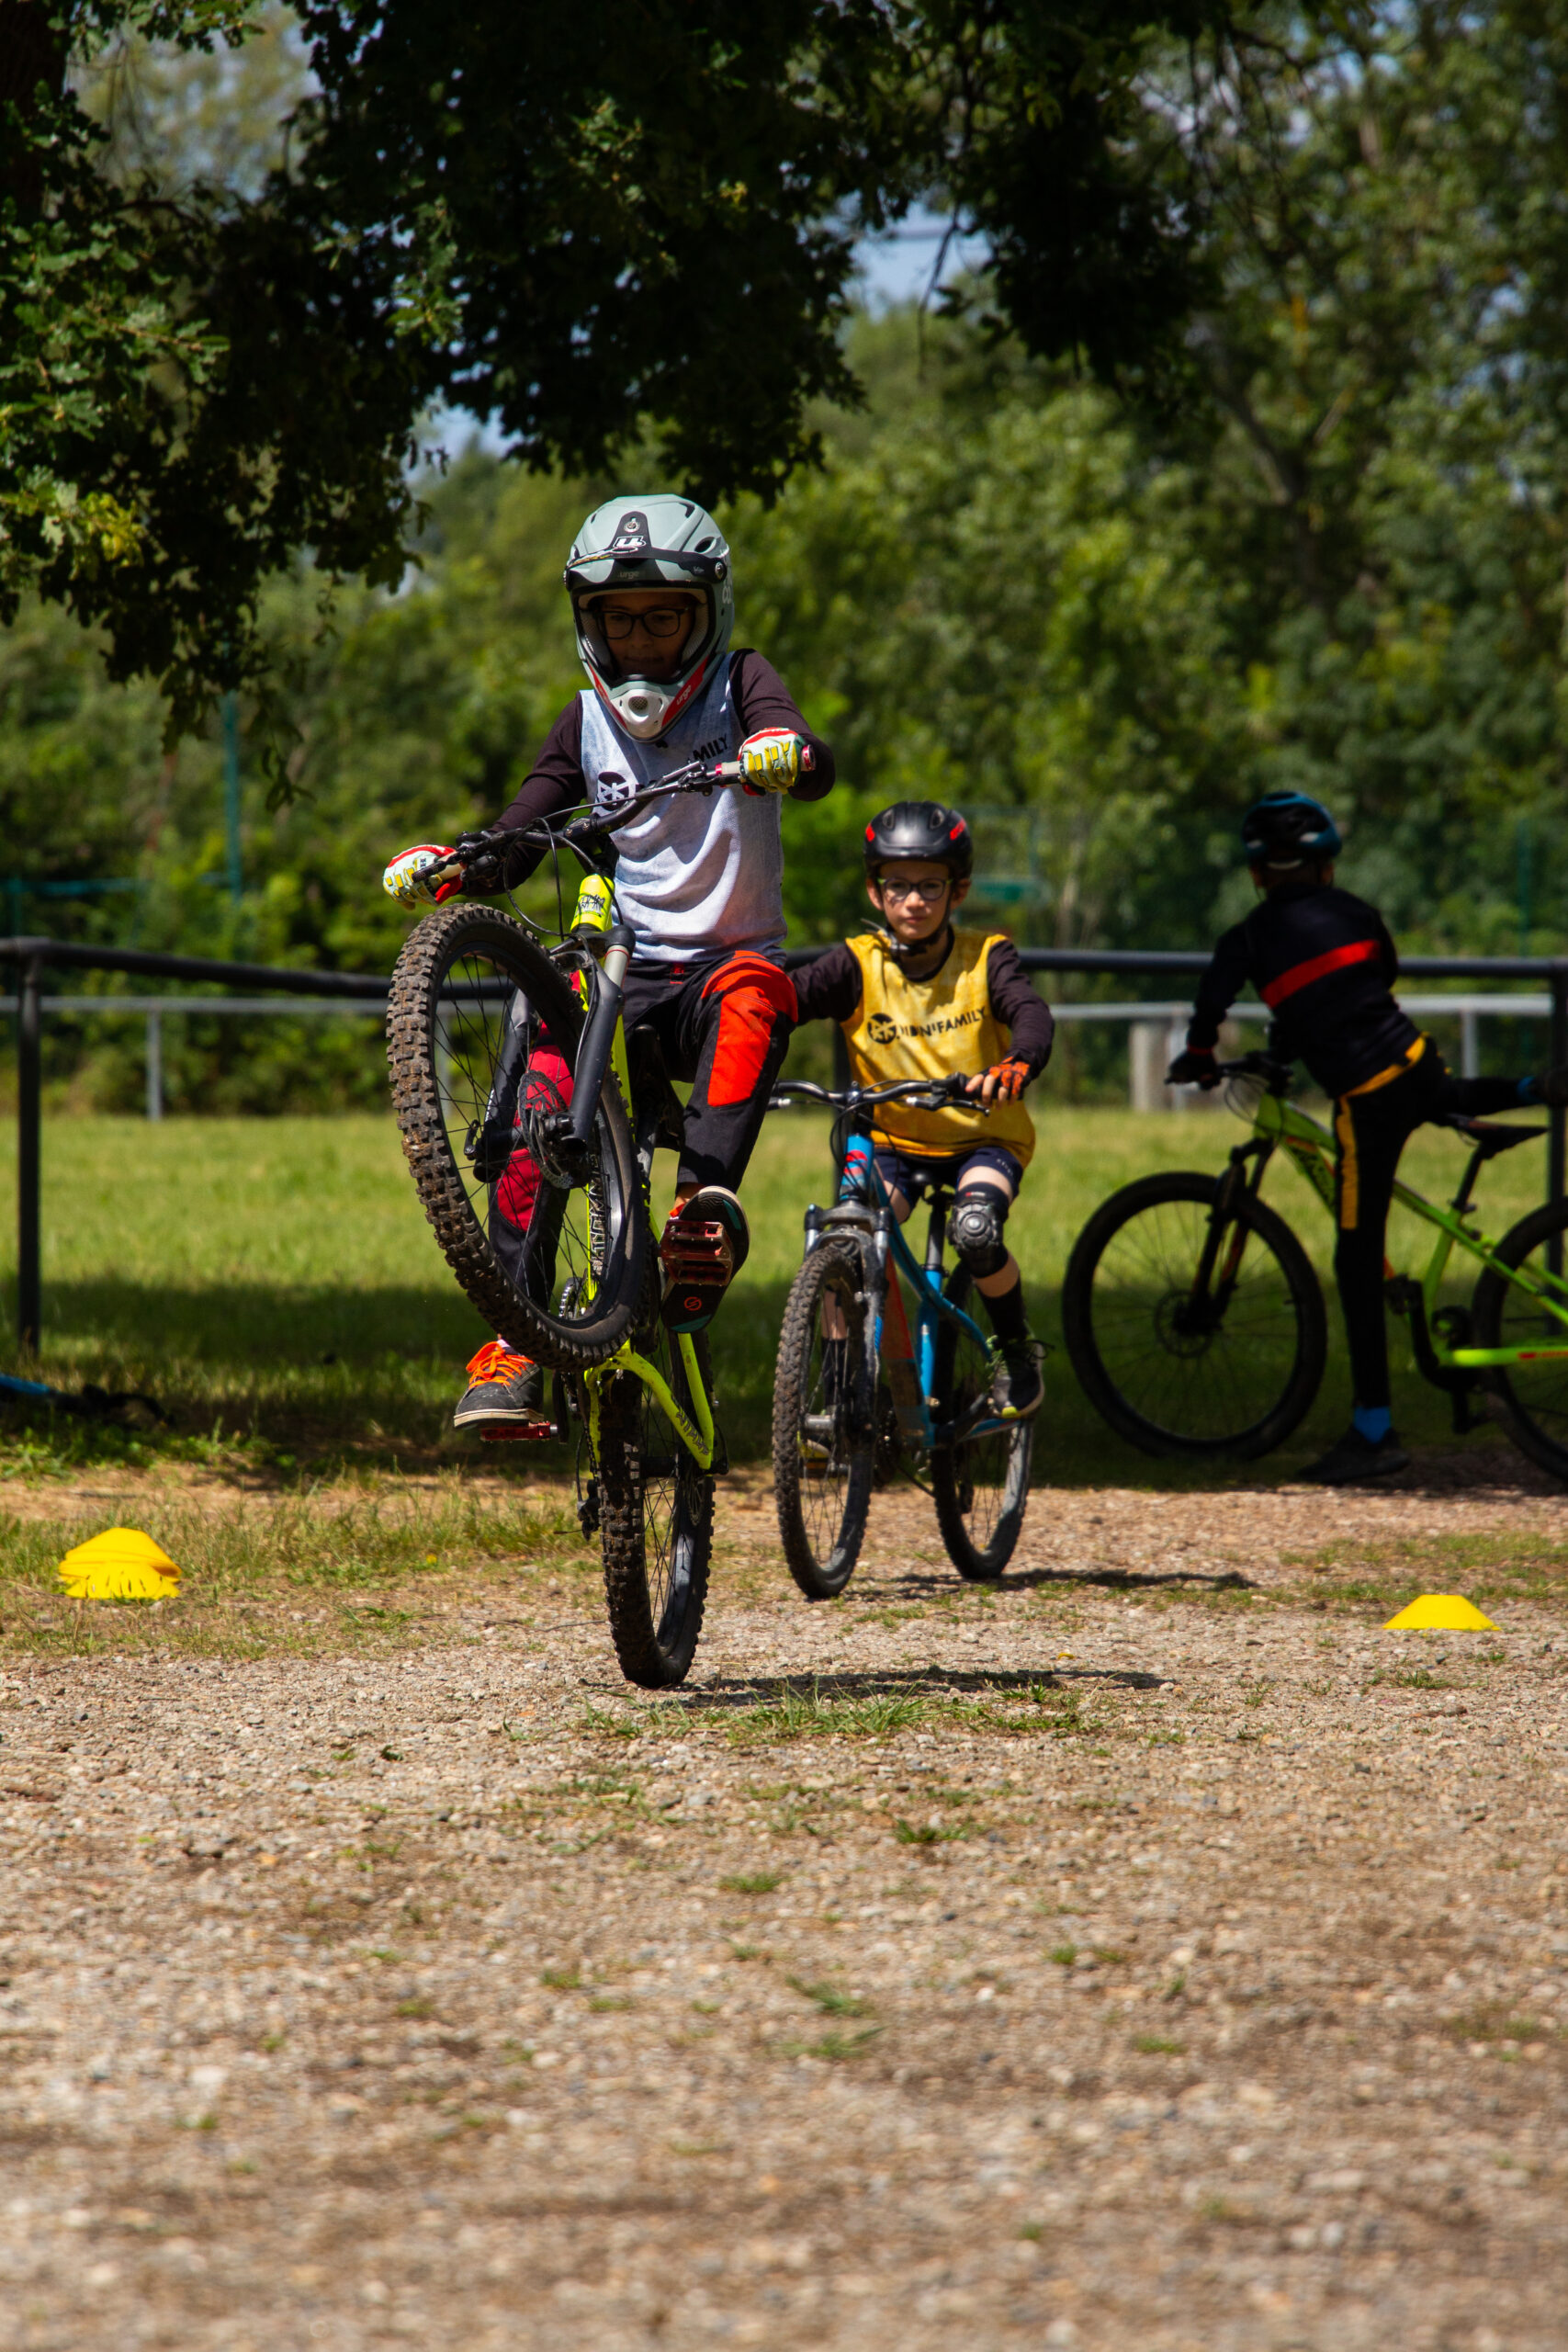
858	1393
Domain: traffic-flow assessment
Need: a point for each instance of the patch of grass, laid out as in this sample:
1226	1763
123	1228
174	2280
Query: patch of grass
834	2047
1494	2021
260	1576
752	1883
1156	2045
814	1714
417	2005
830	1999
927	1833
1064	1955
562	1980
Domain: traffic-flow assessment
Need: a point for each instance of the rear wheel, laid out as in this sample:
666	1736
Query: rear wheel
482	1036
1530	1400
979	1483
824	1429
1228	1369
656	1525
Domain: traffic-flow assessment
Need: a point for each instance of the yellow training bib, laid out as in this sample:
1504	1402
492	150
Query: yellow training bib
943	1027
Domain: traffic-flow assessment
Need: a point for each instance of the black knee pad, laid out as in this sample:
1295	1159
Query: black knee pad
974	1226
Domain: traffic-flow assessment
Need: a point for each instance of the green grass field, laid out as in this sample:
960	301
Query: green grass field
274	1283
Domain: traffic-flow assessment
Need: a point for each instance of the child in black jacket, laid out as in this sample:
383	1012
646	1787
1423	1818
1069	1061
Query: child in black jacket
1323	961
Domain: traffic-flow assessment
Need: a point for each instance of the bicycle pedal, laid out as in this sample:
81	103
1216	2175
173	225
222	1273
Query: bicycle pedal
523	1433
695	1252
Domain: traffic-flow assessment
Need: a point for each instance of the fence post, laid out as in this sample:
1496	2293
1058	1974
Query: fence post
155	1066
29	1026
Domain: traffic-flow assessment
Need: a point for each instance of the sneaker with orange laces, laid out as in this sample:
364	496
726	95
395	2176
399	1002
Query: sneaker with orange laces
505	1396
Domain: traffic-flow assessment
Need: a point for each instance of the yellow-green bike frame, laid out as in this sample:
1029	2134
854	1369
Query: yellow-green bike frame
1308	1145
594	913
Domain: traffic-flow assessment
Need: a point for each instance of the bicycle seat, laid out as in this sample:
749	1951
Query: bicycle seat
1485	1137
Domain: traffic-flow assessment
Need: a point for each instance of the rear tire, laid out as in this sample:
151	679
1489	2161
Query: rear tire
824	1435
444	1050
655	1526
1531	1400
980	1485
1239	1389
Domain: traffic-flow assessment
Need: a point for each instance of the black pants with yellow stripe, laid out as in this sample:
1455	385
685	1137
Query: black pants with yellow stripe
1371	1126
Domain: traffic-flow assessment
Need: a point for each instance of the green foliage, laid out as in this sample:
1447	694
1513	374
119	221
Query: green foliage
592	224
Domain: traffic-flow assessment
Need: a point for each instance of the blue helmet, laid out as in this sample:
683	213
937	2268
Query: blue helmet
1285	829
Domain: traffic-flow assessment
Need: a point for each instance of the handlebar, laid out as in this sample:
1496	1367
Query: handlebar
1276	1075
579	832
925	1093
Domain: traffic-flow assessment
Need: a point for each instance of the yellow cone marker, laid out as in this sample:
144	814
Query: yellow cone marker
1441	1613
120	1565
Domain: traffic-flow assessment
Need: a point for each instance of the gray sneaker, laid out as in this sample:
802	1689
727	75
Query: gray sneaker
505	1396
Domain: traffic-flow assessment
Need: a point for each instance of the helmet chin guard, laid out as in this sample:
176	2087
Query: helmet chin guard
657	541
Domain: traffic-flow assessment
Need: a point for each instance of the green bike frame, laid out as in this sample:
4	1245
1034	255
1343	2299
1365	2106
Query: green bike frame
1309	1146
594	913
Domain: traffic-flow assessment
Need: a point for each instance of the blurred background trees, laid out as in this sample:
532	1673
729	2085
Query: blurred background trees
1316	538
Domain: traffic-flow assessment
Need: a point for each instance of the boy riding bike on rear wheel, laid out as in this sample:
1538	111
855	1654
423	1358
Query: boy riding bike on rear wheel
922	1000
1324	963
698	880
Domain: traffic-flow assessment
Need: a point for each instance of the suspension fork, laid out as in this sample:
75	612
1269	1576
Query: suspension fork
1226	1225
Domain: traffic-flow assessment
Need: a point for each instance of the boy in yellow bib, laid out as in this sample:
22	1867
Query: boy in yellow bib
924	999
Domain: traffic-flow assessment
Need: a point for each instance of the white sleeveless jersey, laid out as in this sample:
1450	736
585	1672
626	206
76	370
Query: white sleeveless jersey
691	874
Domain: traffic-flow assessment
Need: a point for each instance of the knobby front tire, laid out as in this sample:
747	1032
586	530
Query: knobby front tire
824	1429
1165	1377
1531	1400
478	1017
980	1485
656	1520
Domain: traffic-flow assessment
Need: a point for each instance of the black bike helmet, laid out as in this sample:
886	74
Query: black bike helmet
1286	830
920	828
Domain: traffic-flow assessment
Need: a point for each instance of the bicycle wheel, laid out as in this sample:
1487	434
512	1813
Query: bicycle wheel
1530	1400
980	1485
656	1524
482	1032
1176	1379
824	1434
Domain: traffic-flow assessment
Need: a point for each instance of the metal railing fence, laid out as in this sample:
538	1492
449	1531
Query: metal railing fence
280	992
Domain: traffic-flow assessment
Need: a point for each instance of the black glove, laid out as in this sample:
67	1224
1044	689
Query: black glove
1195	1066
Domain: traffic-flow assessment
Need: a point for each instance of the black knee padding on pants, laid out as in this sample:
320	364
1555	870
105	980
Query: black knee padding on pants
974	1226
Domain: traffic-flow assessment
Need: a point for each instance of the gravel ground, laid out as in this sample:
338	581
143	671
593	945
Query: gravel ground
1149	1953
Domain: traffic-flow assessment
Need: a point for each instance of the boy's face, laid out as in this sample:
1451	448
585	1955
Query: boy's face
914	896
646	628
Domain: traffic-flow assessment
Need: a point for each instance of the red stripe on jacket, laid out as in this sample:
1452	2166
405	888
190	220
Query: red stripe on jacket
1302	975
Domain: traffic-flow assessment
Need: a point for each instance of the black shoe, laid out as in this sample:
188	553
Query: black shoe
1355	1461
704	1247
1018	1387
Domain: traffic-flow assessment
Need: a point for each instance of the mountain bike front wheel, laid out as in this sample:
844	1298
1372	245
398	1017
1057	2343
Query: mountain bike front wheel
656	1525
979	1483
1181	1362
1530	1400
483	1033
824	1425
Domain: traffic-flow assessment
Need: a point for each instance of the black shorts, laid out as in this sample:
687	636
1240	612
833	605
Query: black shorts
912	1174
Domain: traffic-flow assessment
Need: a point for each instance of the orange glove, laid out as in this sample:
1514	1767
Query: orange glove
1004	1081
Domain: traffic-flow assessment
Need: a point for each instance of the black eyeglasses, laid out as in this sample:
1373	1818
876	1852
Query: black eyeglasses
928	893
663	620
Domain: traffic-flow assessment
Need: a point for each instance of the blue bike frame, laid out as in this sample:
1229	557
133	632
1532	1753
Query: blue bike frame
911	1369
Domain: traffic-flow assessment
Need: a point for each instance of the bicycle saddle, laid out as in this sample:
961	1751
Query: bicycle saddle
1486	1138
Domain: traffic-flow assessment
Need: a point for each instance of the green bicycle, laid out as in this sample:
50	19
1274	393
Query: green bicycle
530	1133
1196	1325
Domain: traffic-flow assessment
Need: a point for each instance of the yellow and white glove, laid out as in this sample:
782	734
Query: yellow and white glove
404	879
772	760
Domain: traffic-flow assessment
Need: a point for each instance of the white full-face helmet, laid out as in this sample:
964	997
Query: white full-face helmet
657	541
